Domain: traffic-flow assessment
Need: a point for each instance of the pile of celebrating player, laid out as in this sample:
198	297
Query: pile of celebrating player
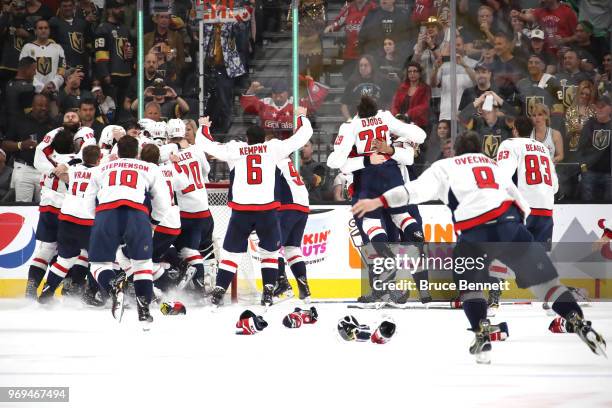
123	208
135	209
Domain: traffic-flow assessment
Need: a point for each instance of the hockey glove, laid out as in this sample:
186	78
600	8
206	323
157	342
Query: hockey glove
250	323
383	334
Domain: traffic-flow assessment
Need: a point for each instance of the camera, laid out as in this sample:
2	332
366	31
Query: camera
159	88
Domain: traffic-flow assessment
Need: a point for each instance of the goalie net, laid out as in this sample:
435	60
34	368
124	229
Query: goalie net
244	287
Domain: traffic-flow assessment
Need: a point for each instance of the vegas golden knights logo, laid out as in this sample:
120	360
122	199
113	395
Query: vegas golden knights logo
531	102
76	42
601	139
120	46
43	65
569	93
19	43
490	144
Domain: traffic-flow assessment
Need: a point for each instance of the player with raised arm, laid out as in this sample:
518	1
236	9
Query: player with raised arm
121	188
196	219
75	221
488	210
252	199
356	151
83	136
53	190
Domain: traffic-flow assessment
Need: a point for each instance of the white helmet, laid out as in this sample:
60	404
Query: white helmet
146	125
158	132
107	139
176	128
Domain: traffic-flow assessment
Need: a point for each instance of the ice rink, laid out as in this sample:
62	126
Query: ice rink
196	360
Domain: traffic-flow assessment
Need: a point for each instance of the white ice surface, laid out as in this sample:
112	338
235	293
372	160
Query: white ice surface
196	360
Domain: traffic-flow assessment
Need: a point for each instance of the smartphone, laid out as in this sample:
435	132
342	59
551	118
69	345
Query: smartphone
446	58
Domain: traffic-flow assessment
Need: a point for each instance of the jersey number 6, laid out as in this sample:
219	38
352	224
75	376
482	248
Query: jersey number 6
253	171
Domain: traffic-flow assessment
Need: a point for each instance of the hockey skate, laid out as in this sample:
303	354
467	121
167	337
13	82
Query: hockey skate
217	296
374	296
144	316
481	345
93	298
267	296
117	294
425	296
494	296
583	328
72	289
46	296
31	288
283	288
304	289
399	297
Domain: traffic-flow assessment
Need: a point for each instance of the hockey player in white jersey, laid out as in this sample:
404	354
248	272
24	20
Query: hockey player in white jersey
177	129
252	199
527	162
488	212
75	221
196	219
292	219
356	151
120	189
169	228
83	136
52	195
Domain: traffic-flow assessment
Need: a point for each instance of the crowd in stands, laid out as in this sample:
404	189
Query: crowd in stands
546	59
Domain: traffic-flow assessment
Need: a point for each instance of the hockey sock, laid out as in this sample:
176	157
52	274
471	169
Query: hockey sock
566	305
199	273
560	298
224	277
91	282
163	282
78	274
104	279
299	269
144	287
54	280
269	271
281	268
36	274
207	251
475	310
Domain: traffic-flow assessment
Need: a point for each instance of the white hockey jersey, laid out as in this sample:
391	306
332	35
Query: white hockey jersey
53	190
355	138
528	163
471	185
50	63
193	198
125	183
43	157
76	208
175	181
253	167
292	191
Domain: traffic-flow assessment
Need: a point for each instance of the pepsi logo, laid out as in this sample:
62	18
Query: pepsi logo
17	244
